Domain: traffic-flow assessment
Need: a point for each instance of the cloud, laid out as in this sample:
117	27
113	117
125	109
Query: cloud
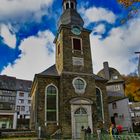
100	29
14	8
94	14
35	58
9	38
118	48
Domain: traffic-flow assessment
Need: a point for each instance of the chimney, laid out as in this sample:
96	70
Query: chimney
106	70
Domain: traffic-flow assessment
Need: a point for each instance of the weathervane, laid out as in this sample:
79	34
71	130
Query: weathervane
138	63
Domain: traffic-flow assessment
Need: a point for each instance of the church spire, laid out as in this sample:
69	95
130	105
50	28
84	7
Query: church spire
70	16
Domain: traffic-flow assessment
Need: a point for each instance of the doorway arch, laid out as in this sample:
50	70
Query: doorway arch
81	119
81	115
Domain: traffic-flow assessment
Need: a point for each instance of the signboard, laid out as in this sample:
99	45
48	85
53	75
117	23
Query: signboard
78	61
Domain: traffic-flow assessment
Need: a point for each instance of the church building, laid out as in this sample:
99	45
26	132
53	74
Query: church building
68	95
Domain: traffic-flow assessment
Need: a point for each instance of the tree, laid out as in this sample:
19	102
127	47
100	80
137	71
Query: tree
128	3
132	87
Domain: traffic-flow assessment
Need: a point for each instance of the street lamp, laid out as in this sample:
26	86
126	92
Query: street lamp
138	63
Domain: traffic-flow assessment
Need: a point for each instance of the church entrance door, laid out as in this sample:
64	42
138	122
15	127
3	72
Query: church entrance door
81	119
81	115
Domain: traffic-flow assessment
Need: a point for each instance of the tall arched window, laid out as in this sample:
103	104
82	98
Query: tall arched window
67	5
99	102
72	5
51	104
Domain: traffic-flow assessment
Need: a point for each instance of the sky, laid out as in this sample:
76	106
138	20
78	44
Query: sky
28	29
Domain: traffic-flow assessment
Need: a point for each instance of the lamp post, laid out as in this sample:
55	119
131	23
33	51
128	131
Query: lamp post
138	63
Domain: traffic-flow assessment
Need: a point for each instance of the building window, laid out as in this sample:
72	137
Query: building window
99	103
29	101
114	105
51	104
4	125
1	106
72	5
22	108
115	77
117	87
79	85
77	44
116	115
58	49
12	106
21	94
20	101
67	5
18	108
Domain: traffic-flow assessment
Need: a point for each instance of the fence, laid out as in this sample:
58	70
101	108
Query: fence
129	136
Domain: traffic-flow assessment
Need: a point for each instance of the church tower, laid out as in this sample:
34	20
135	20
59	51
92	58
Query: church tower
73	53
68	95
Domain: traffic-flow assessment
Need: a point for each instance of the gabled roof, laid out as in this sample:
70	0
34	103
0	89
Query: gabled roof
51	71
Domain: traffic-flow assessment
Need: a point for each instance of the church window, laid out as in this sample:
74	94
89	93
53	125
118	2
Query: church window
51	104
99	103
77	44
79	85
58	47
80	111
72	5
67	5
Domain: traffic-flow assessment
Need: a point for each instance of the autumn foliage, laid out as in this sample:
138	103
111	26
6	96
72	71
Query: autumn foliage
128	3
132	87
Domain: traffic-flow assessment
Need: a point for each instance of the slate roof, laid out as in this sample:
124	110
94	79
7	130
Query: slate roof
98	78
70	17
11	83
7	82
112	72
51	71
23	85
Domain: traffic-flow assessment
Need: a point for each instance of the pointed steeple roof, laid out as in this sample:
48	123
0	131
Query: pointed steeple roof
70	15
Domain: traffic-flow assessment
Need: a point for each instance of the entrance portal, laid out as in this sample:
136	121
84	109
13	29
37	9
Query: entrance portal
81	119
81	115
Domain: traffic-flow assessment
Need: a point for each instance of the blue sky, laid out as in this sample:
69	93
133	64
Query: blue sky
28	28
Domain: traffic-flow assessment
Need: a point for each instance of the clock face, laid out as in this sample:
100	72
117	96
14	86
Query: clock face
76	30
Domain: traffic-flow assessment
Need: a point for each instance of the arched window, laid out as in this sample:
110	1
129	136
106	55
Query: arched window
79	85
72	5
51	104
67	5
80	111
99	102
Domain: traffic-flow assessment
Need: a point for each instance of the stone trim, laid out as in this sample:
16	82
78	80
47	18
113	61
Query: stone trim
57	109
79	91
